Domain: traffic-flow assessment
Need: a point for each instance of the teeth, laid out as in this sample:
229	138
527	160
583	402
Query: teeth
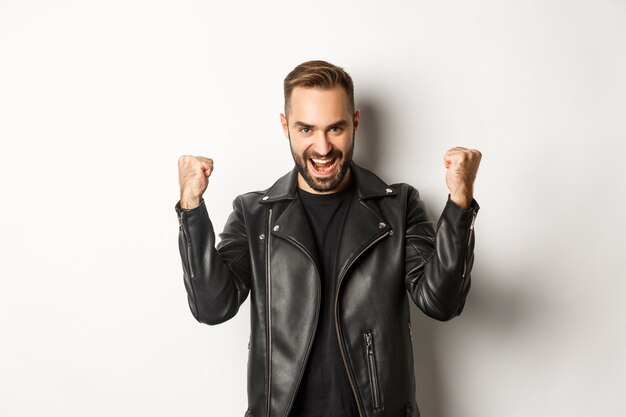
321	161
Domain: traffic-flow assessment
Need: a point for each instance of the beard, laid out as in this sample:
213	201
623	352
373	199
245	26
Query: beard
328	183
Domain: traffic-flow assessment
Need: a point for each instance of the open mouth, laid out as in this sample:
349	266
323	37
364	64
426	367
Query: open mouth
323	166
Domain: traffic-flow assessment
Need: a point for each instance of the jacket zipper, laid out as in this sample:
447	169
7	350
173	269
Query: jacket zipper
341	345
469	240
185	234
373	373
268	290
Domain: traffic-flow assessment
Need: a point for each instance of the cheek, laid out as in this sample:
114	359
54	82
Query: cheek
298	149
344	144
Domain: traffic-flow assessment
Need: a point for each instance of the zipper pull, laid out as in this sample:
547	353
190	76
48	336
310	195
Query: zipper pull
368	344
473	218
469	240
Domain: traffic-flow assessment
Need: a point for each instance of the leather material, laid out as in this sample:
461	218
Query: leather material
388	249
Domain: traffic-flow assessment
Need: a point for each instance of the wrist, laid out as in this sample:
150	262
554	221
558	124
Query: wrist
189	203
462	201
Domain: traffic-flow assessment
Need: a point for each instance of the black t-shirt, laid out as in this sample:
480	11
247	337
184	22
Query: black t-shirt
325	388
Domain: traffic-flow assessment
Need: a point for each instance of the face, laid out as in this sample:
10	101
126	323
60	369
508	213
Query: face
321	128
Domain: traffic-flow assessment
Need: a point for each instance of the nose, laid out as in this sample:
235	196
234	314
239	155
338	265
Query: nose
321	144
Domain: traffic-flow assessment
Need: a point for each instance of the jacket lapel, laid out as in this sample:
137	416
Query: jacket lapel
361	228
363	224
293	225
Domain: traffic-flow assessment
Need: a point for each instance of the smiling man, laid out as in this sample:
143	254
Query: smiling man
330	256
324	125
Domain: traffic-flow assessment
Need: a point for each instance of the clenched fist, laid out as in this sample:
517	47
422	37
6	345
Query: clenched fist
193	177
462	165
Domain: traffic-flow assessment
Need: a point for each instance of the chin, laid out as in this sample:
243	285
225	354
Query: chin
329	183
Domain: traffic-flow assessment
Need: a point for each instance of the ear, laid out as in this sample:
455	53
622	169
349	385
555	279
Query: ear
285	125
355	121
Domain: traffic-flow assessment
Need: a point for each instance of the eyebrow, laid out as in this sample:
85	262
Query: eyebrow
338	123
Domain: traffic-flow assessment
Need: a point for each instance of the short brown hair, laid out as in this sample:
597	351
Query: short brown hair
318	74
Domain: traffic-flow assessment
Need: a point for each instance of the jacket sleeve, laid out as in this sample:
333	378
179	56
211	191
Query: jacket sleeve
439	261
217	279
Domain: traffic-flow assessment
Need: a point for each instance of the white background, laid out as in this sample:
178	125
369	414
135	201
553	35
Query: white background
98	100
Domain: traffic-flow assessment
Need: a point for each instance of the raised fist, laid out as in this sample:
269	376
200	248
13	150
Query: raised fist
193	178
462	165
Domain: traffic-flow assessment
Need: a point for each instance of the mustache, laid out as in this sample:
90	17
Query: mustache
334	153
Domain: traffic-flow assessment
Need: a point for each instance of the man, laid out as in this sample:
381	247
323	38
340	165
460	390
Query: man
328	254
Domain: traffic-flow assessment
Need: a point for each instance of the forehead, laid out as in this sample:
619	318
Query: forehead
319	103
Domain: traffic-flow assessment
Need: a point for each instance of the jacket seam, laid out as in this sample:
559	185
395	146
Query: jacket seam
237	259
419	253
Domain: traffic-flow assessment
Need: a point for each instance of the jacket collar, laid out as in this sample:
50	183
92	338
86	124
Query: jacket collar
367	185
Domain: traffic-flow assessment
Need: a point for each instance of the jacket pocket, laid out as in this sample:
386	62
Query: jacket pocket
372	369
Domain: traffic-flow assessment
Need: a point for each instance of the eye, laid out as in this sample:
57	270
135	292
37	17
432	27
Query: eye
304	130
335	129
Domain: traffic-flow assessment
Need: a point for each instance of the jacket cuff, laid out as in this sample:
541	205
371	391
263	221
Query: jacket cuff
195	216
473	206
180	210
458	216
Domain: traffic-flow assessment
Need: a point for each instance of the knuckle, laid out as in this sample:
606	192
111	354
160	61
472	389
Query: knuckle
189	160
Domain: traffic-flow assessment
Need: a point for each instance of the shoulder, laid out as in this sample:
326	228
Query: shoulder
402	188
371	185
250	197
282	188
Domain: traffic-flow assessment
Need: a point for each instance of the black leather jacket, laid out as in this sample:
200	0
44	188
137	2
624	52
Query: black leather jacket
388	248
